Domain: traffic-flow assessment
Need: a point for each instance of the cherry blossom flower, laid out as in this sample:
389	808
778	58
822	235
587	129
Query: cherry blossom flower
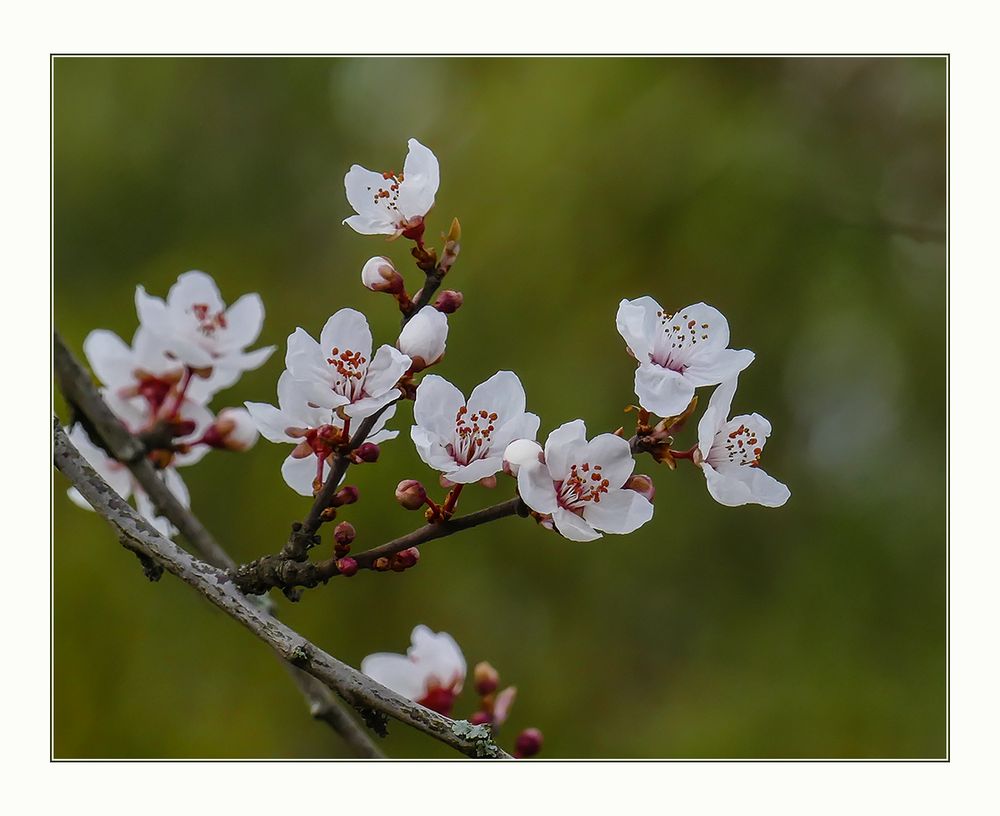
729	452
677	352
138	415
391	204
314	430
122	482
424	337
199	331
581	484
431	673
340	372
466	440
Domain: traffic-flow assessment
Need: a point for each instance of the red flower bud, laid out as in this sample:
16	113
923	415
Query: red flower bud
449	301
411	494
528	743
347	567
641	484
367	452
485	678
348	494
344	533
480	718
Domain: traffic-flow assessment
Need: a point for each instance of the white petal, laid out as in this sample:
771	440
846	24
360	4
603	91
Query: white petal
474	471
722	365
431	450
346	330
502	393
535	486
421	177
715	415
304	359
191	288
436	405
662	391
438	656
365	225
694	333
115	474
425	335
562	445
367	406
614	455
244	320
110	358
299	474
638	323
571	526
152	312
270	421
362	187
395	672
385	370
618	511
523	427
735	486
145	508
521	452
175	484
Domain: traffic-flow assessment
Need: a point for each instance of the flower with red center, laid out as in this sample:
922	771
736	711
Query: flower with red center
431	672
340	372
677	352
315	430
581	485
120	479
199	331
729	453
466	440
394	204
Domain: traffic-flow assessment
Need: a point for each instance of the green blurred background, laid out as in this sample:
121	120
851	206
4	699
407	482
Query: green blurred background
804	198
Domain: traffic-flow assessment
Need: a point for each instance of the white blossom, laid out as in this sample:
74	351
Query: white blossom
120	479
581	484
466	440
390	203
677	352
313	429
340	372
729	453
198	330
423	338
431	673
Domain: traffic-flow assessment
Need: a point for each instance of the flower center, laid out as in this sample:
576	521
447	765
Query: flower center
352	367
387	194
679	335
473	433
438	698
740	447
208	323
585	483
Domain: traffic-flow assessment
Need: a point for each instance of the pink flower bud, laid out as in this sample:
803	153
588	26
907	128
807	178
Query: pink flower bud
348	494
411	494
233	430
405	559
449	301
367	452
347	567
528	743
379	275
485	679
641	484
480	718
344	533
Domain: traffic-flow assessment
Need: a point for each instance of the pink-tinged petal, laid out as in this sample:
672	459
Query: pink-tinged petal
562	445
614	455
474	471
535	486
571	526
346	330
715	415
502	705
438	656
110	358
271	422
191	288
431	450
299	474
385	370
436	405
718	367
662	391
244	320
502	394
152	313
421	178
522	452
523	427
395	672
618	511
638	323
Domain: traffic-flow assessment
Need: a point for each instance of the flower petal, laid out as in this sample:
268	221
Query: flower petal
720	366
534	484
244	320
395	672
735	486
436	404
385	370
571	526
421	178
614	455
521	452
562	445
110	358
191	288
431	450
299	473
438	656
270	421
638	323
662	391
715	415
152	312
346	330
502	393
618	511
474	471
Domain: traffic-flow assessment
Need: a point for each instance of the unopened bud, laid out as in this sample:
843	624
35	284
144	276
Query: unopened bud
367	452
233	430
405	559
449	301
328	514
348	494
344	533
379	275
528	743
641	484
423	338
480	718
182	427
485	679
411	494
347	567
488	482
381	564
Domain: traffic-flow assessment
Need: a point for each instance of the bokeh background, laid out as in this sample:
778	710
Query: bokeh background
805	198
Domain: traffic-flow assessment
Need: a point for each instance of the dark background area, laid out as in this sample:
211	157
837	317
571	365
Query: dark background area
805	198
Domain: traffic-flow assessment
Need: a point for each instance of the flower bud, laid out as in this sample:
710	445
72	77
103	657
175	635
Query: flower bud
347	567
488	482
480	718
411	494
528	743
348	494
381	564
328	514
236	430
641	484
423	338
520	452
379	275
449	301
405	559
344	533
182	427
367	452
485	679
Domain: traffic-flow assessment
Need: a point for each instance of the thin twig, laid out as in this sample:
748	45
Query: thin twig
356	688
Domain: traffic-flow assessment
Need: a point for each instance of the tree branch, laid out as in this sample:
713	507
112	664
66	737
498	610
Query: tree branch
357	689
106	430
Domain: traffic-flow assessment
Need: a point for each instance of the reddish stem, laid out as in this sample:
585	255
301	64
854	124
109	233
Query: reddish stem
451	501
181	393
